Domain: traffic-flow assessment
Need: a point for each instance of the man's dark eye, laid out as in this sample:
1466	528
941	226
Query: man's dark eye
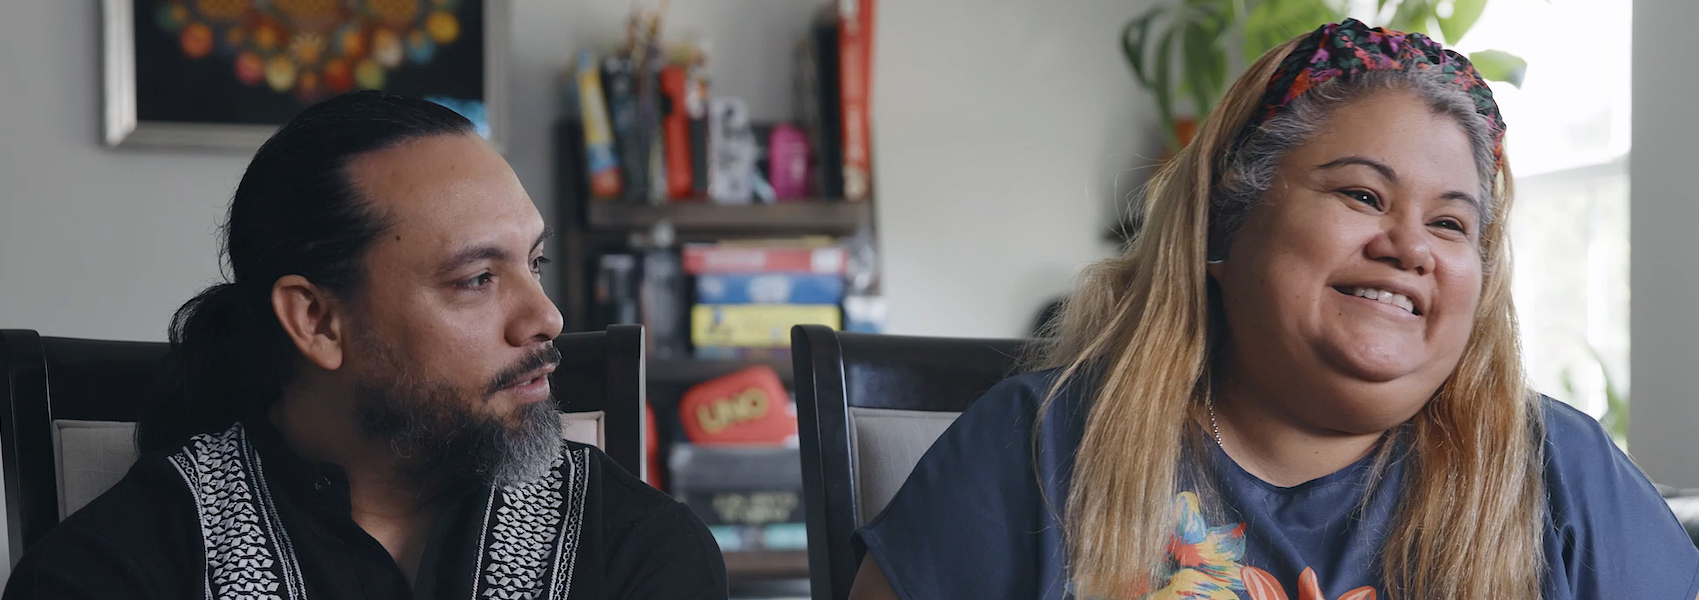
478	282
537	264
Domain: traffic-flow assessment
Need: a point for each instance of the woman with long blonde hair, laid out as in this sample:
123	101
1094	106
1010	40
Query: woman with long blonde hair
1302	380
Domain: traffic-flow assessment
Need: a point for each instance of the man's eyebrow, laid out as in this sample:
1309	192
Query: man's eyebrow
1385	171
481	253
469	256
548	232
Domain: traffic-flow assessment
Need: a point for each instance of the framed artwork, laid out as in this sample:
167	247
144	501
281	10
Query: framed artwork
228	73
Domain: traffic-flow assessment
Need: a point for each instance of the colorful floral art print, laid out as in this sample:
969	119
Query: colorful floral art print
202	70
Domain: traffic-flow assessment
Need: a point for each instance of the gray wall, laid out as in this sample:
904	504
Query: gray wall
1664	310
1002	125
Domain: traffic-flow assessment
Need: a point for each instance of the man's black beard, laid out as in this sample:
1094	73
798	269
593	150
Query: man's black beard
435	428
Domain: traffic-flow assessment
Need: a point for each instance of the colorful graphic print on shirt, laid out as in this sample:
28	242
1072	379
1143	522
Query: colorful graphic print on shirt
1205	563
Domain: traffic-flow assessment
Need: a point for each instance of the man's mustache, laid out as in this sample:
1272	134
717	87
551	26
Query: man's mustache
547	356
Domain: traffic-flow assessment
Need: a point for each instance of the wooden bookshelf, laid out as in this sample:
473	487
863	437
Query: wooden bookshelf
784	218
766	564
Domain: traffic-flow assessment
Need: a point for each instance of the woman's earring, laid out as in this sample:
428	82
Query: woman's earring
1215	259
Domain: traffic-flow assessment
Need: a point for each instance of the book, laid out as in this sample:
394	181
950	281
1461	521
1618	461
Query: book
769	288
712	258
621	86
650	127
755	538
830	143
661	296
696	104
675	84
806	95
573	184
696	467
602	165
756	325
717	353
615	295
647	61
855	79
744	507
749	496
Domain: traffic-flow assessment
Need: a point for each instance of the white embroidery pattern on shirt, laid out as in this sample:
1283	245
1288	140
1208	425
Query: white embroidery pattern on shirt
241	561
527	530
566	555
249	555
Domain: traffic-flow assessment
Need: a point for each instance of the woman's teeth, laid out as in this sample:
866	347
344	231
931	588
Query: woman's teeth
1386	297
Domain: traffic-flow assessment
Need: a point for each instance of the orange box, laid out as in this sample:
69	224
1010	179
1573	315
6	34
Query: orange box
748	407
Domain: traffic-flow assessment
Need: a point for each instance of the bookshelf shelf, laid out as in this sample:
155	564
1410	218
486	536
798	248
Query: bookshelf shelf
687	371
766	564
811	216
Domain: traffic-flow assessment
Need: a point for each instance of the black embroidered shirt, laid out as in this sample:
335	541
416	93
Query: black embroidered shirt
238	515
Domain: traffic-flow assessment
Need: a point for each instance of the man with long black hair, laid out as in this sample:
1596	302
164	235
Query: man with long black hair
363	409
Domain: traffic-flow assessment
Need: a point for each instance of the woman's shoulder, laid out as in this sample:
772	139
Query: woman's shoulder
1610	534
1576	443
1025	394
1010	411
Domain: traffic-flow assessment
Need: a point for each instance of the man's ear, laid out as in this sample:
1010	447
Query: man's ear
311	319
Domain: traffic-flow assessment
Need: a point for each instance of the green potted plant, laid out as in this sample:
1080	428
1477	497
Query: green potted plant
1615	419
1181	51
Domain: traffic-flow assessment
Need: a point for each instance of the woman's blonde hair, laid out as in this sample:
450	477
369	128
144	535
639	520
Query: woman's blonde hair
1141	328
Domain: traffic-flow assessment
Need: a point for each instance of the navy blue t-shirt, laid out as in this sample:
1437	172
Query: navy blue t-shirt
971	523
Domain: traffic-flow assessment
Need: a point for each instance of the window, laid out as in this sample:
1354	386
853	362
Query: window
1568	143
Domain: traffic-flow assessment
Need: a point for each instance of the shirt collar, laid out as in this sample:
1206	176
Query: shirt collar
320	482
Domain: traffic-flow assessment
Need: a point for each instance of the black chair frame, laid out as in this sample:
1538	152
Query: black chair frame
50	378
839	370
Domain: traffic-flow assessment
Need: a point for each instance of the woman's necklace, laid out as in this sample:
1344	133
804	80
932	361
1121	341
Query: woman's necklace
1215	426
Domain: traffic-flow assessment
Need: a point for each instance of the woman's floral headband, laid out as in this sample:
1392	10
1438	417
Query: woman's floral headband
1350	48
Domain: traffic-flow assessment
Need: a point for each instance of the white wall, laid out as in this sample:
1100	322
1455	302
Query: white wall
1001	126
92	242
1664	310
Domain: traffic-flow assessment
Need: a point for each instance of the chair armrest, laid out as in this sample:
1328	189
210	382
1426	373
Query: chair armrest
1685	505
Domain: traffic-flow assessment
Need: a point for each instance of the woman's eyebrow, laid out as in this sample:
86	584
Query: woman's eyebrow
1464	197
1385	171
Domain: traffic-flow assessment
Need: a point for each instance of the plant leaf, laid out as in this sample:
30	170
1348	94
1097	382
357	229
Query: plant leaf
1258	29
1615	419
1412	16
1217	68
1464	14
1164	90
1133	40
1201	55
1273	22
1498	65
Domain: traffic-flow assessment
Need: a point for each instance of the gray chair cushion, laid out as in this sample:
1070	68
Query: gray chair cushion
885	445
584	427
92	456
